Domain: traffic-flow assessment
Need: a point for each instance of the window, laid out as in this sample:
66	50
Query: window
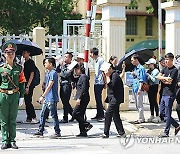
131	25
149	26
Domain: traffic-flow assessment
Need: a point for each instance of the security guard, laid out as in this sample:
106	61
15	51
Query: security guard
12	89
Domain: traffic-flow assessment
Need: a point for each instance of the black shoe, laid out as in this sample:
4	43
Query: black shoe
55	136
63	121
163	135
14	146
38	133
88	127
104	136
82	134
123	134
4	146
94	118
71	120
177	130
101	119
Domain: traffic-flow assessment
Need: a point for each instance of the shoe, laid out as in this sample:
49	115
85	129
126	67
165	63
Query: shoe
123	134
163	135
4	146
71	120
88	127
14	146
104	136
156	119
139	121
82	134
38	133
94	118
55	136
9	145
27	121
34	121
100	119
63	121
151	118
177	129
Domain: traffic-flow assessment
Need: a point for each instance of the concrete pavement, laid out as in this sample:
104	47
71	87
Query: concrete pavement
69	143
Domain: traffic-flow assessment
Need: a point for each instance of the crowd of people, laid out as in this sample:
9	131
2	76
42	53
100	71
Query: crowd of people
17	86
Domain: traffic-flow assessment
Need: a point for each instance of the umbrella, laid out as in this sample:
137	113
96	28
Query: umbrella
147	44
144	55
145	51
25	45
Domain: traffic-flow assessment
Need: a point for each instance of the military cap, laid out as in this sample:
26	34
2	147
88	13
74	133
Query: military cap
9	46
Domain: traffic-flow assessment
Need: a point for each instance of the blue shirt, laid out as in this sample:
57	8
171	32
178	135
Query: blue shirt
139	77
52	95
98	73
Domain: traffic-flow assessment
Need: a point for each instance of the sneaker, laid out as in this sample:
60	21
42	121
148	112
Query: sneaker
139	121
100	119
82	134
156	119
63	121
123	134
163	135
55	136
38	133
151	118
34	121
104	136
94	118
88	127
177	130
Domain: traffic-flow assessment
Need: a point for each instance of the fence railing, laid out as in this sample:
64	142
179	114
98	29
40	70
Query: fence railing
58	45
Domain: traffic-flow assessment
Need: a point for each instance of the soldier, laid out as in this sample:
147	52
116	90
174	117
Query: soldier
12	89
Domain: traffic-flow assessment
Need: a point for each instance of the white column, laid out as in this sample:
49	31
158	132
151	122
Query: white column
39	39
113	22
172	9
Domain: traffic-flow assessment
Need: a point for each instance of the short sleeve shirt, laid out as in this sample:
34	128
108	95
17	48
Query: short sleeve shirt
139	77
29	66
169	90
98	73
52	95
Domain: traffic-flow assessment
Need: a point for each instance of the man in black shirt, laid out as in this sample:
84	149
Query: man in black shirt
65	86
115	95
82	99
29	69
168	76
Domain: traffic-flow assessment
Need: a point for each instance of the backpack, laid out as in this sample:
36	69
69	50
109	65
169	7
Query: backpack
36	79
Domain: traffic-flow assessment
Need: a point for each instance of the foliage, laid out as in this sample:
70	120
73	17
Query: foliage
21	16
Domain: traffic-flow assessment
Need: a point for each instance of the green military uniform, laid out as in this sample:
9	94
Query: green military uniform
9	98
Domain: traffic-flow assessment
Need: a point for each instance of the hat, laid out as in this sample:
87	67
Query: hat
151	61
9	46
161	59
80	55
105	66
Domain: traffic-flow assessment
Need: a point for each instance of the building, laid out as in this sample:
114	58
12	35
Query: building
140	25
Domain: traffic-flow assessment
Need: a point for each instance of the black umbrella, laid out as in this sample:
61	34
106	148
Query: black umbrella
144	55
25	45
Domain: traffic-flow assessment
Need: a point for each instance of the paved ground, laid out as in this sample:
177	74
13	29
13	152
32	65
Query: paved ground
137	140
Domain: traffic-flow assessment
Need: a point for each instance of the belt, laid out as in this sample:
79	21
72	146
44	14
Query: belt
9	92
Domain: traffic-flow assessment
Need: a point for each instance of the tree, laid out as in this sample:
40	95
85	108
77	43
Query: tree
21	16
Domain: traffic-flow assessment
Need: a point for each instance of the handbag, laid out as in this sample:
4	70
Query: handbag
145	87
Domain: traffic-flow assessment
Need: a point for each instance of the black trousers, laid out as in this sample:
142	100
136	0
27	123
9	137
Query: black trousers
113	112
65	94
152	95
29	106
78	114
178	108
